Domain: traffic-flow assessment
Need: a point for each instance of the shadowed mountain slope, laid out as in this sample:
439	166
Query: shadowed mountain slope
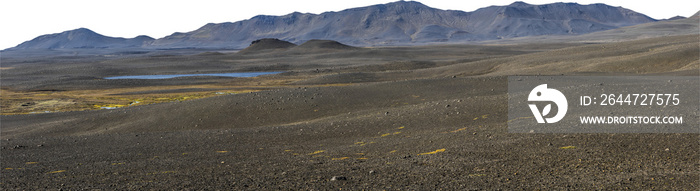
397	23
676	27
410	22
81	38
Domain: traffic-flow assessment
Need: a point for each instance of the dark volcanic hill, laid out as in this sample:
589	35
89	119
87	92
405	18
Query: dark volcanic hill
267	44
81	38
316	44
311	46
409	22
675	18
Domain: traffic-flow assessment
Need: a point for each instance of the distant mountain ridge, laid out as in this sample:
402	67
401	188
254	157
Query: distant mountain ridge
82	38
409	22
397	23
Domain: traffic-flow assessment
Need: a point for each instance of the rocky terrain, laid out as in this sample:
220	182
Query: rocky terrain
340	117
432	116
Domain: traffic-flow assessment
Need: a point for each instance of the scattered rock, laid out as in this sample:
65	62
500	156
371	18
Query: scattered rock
338	178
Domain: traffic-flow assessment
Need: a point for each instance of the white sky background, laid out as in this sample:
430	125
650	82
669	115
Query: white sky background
23	20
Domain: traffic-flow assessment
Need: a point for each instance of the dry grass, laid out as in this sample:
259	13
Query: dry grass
27	102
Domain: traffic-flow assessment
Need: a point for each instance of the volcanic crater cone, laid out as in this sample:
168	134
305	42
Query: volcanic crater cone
316	46
266	45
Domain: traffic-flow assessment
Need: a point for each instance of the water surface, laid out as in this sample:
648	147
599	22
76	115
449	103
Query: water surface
168	76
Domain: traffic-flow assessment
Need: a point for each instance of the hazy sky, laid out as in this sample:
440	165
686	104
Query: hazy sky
24	20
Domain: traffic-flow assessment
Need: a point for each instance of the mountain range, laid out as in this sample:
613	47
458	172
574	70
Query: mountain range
83	38
397	23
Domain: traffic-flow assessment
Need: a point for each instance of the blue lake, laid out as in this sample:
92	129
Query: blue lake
151	77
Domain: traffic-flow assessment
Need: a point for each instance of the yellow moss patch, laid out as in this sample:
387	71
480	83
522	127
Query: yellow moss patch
58	171
316	152
15	102
387	134
108	106
433	152
458	130
519	118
